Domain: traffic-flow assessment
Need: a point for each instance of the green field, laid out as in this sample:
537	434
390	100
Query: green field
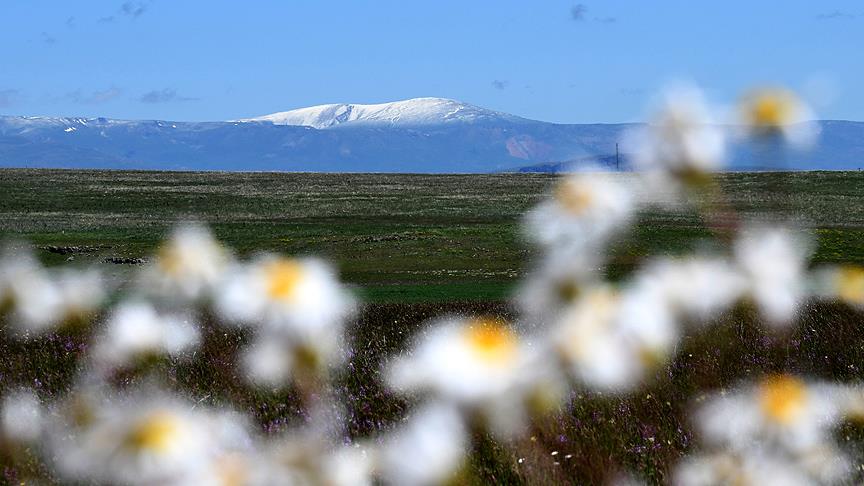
417	247
396	237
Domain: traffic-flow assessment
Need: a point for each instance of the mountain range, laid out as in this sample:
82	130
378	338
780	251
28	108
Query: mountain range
431	135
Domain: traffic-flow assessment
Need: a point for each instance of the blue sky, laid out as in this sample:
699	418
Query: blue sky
561	61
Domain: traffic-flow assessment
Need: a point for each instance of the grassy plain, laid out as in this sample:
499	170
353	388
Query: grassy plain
418	246
399	238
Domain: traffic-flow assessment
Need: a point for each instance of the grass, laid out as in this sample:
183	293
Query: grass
416	247
397	237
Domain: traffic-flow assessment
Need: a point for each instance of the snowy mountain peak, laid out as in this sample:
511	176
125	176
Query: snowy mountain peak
413	112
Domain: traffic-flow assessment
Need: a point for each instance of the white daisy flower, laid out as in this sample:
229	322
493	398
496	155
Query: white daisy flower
843	282
29	297
136	330
232	468
299	308
608	340
187	266
21	417
773	261
482	365
560	280
694	287
268	362
36	299
308	456
146	440
754	468
778	111
350	466
782	420
584	210
428	449
275	361
82	293
683	139
780	411
299	298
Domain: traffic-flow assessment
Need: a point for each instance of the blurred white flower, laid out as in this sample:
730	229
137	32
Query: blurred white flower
609	339
349	466
299	309
772	111
28	296
188	265
232	468
309	456
146	439
82	292
38	299
561	278
299	298
428	449
480	364
843	282
268	361
773	261
136	330
584	210
275	361
695	287
683	138
780	411
754	468
777	431
21	417
849	399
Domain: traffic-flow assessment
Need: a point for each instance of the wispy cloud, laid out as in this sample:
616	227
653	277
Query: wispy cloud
133	9
837	15
130	9
47	38
9	97
93	97
579	12
500	84
166	95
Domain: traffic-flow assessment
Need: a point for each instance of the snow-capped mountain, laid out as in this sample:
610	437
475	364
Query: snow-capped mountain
417	112
431	135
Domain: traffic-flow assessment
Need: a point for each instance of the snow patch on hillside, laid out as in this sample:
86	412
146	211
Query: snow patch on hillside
413	112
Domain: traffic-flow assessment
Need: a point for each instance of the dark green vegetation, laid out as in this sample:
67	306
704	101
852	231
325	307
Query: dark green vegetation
399	237
597	436
453	242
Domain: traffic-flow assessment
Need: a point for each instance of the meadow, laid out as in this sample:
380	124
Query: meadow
398	238
414	247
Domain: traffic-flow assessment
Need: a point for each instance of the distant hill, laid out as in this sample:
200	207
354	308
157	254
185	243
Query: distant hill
431	135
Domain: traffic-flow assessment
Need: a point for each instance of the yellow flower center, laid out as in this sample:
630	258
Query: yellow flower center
770	109
850	284
575	196
283	276
155	433
783	398
491	340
